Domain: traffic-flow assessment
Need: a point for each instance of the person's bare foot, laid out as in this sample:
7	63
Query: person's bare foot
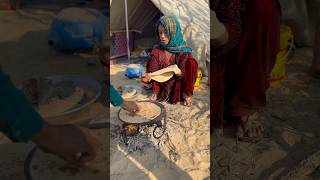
187	101
153	97
248	131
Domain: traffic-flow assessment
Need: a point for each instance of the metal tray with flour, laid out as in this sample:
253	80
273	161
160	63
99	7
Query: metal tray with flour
157	120
65	85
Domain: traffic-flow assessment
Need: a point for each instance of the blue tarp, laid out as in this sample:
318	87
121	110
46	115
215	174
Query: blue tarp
75	34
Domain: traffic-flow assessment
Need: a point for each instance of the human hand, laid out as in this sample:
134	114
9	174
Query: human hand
145	78
71	143
178	73
130	106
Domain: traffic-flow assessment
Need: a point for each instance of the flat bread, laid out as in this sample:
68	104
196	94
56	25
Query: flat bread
162	77
50	167
173	68
165	74
148	111
55	106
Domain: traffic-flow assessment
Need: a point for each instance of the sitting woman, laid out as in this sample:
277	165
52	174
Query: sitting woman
172	50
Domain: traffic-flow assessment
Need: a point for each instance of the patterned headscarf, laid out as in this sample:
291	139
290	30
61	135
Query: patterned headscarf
173	30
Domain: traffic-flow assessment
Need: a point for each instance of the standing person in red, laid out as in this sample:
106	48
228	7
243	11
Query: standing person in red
245	62
172	50
225	34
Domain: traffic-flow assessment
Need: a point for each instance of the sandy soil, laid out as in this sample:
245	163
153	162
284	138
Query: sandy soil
12	159
181	153
292	119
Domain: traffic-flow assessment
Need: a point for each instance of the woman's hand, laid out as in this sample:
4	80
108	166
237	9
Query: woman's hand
130	106
179	73
146	78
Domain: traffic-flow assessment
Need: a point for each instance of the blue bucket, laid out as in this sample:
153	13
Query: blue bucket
134	70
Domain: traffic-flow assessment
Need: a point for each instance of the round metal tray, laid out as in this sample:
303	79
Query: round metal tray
91	87
27	163
156	120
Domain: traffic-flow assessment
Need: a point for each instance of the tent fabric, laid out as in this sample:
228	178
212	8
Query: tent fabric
302	17
140	13
193	15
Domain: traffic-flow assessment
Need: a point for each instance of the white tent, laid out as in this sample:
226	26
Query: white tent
193	15
302	17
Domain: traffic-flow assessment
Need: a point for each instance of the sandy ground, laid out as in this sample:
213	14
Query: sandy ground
292	119
181	153
12	159
25	53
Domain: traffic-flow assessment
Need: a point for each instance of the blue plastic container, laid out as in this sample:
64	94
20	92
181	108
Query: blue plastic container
133	71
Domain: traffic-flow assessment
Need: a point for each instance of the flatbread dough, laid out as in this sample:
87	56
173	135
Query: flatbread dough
148	111
165	74
50	167
55	106
163	77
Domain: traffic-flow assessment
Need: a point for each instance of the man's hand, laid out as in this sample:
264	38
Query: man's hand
72	143
130	106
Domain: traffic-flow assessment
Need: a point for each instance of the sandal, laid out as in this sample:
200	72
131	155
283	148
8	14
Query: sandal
248	132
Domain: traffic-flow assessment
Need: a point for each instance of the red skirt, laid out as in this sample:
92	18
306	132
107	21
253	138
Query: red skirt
240	77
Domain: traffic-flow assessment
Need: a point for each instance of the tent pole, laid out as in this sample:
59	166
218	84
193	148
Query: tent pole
127	30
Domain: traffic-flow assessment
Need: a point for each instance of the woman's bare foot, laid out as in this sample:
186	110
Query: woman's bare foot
187	101
153	97
248	131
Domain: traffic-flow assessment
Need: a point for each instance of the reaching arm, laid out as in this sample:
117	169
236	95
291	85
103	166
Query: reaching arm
18	120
